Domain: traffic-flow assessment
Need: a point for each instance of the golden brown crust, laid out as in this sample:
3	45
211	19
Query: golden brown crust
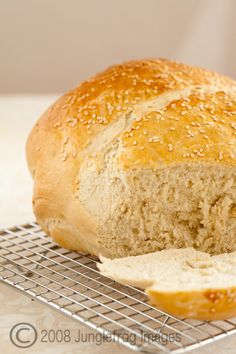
78	116
199	127
66	134
207	305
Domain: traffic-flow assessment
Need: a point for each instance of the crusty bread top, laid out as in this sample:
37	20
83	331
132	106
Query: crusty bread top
161	112
198	127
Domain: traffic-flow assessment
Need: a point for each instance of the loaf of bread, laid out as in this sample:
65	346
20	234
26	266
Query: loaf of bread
181	282
140	158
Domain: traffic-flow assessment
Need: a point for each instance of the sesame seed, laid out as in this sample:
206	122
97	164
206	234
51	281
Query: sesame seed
64	156
233	125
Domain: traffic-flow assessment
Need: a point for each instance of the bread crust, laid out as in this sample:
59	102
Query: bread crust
207	305
115	105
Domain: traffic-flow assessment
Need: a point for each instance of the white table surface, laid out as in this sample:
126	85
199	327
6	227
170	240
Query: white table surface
17	115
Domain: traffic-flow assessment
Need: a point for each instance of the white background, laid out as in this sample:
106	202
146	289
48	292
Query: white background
51	45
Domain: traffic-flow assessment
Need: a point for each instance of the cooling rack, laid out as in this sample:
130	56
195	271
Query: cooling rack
70	283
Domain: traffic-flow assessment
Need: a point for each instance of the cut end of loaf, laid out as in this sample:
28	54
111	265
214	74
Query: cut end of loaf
176	206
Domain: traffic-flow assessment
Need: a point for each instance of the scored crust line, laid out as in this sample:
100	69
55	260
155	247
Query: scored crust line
118	126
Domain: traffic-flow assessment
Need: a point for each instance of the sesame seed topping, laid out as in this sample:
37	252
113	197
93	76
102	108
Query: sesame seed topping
196	119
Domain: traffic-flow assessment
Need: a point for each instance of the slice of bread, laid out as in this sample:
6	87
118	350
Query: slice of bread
182	282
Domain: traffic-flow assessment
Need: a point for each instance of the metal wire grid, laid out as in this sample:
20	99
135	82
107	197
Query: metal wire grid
70	283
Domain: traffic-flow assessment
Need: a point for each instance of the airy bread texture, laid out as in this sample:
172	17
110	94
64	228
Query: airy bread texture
140	158
181	282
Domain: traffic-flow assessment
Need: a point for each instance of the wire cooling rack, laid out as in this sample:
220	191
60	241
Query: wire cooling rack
70	283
